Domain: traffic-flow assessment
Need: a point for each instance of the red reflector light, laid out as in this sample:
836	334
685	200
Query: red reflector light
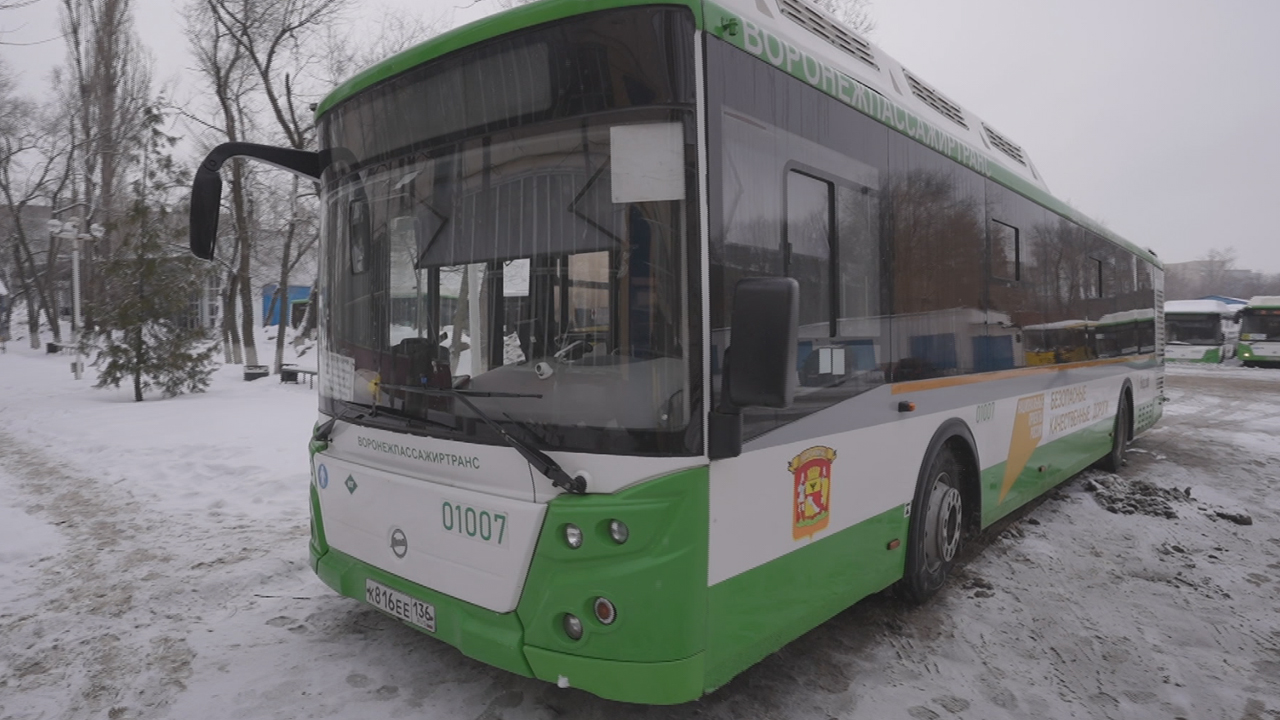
605	611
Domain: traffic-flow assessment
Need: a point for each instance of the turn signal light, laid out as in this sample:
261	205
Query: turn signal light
572	627
573	536
619	531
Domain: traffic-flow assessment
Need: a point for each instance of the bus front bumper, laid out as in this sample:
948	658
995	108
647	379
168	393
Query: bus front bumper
498	639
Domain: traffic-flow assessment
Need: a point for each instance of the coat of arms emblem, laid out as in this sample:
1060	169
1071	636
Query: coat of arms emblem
811	501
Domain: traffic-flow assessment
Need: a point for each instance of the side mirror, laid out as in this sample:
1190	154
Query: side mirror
206	186
766	321
760	364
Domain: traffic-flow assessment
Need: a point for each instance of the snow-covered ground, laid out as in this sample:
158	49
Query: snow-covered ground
153	565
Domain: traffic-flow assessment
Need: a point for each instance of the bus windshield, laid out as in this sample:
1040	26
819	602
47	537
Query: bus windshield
1205	329
542	267
1260	325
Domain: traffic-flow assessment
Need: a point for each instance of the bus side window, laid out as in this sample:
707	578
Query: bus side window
808	257
861	328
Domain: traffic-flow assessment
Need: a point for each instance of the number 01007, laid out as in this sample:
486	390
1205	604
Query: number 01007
469	522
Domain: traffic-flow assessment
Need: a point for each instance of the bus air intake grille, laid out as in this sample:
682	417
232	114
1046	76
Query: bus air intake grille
1004	145
818	23
936	100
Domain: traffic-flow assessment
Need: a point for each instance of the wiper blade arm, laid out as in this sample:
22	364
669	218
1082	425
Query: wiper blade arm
325	429
450	392
540	461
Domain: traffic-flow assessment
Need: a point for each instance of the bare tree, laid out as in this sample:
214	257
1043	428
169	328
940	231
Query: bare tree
261	55
227	70
1219	266
110	81
34	170
344	55
268	61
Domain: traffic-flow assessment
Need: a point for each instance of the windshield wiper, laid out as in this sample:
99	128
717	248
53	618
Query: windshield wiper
323	431
540	461
451	392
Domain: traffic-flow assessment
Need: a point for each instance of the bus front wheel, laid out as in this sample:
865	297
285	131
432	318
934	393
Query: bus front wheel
937	527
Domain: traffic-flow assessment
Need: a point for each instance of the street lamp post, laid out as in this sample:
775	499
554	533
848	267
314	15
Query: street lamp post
70	230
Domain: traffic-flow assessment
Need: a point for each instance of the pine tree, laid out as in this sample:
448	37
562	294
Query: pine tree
144	332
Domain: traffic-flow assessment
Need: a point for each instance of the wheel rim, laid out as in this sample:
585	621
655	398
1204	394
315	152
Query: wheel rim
942	522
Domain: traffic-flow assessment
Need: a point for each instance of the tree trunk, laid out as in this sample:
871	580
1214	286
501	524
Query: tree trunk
309	318
33	319
283	288
230	333
43	286
461	312
248	333
139	349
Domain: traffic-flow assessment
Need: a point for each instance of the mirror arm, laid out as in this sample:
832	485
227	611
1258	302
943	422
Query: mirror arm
206	187
724	423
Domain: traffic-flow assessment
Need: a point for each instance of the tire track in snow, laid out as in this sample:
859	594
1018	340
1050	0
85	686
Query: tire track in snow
72	652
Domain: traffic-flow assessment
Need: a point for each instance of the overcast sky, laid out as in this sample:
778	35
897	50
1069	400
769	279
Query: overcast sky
1154	117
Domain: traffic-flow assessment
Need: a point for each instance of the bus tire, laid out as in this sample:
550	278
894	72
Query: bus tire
1121	433
937	526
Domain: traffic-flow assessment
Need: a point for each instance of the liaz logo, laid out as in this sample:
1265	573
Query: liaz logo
811	502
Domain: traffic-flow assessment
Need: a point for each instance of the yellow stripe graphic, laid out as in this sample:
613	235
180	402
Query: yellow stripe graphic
1028	428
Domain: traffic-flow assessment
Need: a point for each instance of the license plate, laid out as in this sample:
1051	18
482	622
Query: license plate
397	604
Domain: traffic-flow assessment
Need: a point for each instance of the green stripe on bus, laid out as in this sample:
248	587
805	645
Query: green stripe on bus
1049	465
657	579
1245	352
651	683
521	18
757	612
1211	355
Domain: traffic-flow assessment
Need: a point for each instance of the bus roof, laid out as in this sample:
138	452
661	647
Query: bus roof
1061	325
1264	301
1199	307
1126	316
813	39
485	28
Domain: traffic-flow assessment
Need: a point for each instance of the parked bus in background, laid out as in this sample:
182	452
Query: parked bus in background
1128	332
655	335
1058	342
1198	331
1260	332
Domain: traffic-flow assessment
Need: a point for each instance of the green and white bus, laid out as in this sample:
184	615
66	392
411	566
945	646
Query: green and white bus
1198	331
655	334
1259	344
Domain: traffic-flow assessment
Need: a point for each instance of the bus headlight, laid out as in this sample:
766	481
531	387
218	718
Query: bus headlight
573	536
619	531
572	627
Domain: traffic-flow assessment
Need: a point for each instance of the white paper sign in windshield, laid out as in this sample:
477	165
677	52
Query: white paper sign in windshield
647	162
